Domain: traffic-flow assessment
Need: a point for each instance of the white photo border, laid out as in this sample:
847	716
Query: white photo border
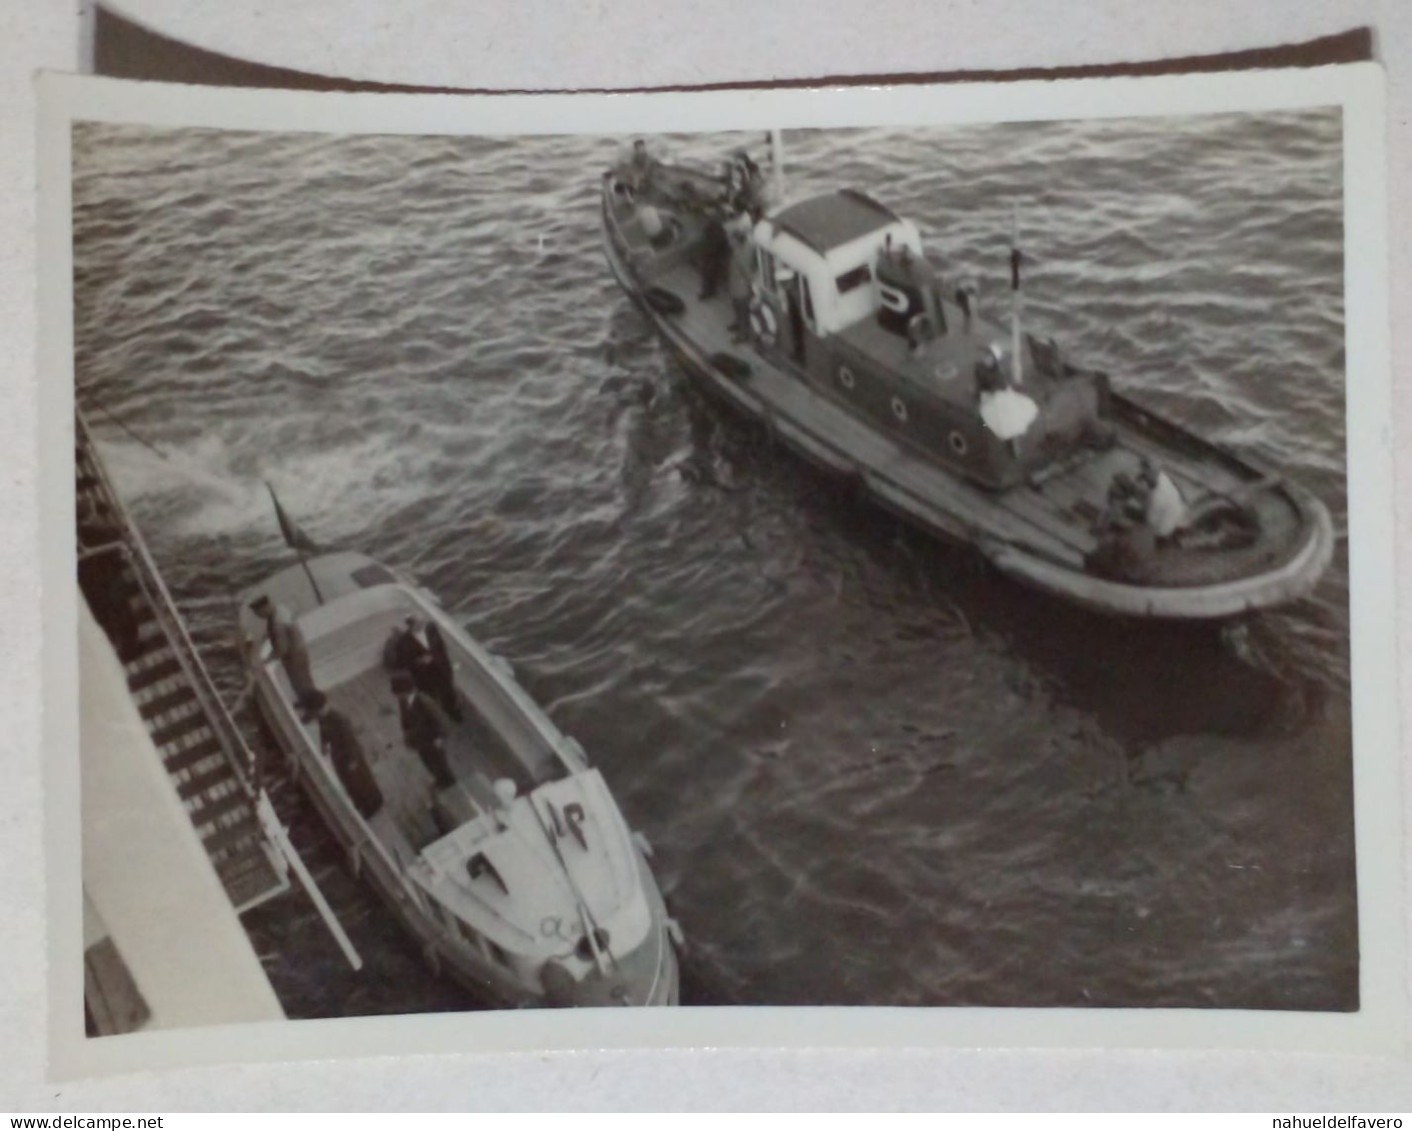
1379	1025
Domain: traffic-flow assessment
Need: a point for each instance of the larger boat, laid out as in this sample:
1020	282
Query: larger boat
507	859
824	319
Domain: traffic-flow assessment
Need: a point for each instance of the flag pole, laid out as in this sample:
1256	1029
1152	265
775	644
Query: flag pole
314	585
296	540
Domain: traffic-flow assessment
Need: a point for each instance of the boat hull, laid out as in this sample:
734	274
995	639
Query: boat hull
961	512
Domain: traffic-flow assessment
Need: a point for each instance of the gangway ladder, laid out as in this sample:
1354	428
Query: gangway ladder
205	757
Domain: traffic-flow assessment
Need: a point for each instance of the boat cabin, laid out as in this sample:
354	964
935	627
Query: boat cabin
845	294
821	256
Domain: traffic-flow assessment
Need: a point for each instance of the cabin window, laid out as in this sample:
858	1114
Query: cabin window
852	280
846	378
958	443
807	301
899	410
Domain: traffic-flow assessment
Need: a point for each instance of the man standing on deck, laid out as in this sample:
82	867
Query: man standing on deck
350	763
419	649
288	645
421	730
715	255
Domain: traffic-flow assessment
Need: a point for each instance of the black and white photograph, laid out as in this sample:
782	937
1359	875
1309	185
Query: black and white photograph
832	565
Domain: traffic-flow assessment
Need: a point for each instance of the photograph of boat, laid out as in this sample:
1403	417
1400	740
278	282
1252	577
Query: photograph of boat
494	840
823	317
856	763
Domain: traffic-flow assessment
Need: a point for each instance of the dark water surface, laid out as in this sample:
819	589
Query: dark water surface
873	771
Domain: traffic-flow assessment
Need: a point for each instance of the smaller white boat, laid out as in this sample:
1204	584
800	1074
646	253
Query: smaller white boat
505	855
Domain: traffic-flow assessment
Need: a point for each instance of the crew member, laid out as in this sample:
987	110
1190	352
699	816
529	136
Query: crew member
1126	542
966	296
288	645
746	185
715	256
640	166
1166	510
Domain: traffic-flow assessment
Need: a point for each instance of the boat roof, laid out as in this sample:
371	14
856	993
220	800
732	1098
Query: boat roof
337	575
833	219
364	613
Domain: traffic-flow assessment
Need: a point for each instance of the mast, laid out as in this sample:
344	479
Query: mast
1017	365
777	161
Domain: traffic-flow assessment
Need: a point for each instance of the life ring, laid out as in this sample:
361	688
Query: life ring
763	325
899	410
846	378
663	301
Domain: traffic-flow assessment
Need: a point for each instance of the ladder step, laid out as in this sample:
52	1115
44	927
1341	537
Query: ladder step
187	724
193	754
164	703
221	807
232	835
250	872
163	669
250	857
249	891
146	645
202	782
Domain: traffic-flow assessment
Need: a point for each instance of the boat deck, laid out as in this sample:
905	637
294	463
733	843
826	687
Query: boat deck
414	813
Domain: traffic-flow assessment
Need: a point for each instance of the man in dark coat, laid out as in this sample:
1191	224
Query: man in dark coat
103	576
419	649
715	256
103	581
350	763
422	730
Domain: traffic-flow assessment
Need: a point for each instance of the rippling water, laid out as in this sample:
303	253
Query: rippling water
873	771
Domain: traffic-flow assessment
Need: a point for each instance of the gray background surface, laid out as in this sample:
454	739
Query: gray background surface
538	43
